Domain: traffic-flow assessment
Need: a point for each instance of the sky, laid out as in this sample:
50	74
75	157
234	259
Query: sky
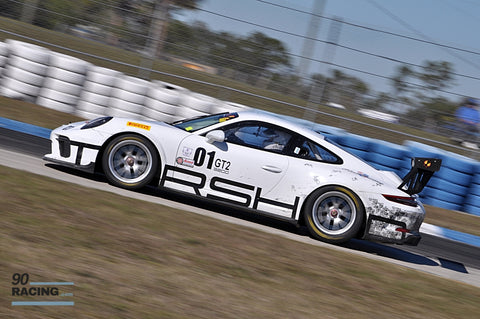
452	23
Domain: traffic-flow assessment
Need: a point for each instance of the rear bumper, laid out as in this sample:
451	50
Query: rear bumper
390	231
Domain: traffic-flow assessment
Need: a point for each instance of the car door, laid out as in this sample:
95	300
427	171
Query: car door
310	164
243	169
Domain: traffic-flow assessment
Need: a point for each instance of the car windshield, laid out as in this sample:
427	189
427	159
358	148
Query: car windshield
197	123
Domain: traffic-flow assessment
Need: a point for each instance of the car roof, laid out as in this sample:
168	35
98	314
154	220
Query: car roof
300	126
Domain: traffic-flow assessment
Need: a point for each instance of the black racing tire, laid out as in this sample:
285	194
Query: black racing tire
334	214
130	161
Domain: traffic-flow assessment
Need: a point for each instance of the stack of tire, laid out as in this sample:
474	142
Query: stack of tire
472	200
390	157
95	97
162	102
448	187
128	96
3	56
63	83
196	104
25	70
356	144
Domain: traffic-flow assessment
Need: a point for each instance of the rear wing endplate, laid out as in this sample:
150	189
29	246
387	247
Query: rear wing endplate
419	175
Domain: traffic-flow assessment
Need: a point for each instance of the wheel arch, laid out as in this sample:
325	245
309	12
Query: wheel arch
350	192
98	159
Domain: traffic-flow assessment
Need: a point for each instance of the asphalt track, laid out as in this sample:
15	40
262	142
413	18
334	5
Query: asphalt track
435	255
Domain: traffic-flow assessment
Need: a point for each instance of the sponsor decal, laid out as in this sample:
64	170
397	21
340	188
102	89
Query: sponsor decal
228	117
139	125
185	161
246	195
187	151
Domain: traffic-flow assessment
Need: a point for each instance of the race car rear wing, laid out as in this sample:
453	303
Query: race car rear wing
419	175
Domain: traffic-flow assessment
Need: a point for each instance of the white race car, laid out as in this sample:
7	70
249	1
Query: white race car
253	160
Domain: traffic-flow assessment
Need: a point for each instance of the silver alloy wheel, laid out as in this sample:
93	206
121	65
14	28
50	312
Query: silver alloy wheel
130	161
334	213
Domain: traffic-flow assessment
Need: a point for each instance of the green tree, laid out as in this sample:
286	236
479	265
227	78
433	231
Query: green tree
345	89
159	26
432	115
55	13
436	76
224	48
400	81
421	88
260	52
424	82
256	55
11	9
179	35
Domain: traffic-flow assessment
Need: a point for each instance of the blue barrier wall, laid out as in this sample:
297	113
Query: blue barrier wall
456	186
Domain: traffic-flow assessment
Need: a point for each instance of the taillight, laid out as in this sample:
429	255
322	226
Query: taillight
404	200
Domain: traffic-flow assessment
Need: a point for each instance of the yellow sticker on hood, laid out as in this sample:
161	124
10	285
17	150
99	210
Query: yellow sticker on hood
138	125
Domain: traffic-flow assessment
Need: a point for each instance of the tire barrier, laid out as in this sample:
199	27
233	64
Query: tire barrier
94	98
456	186
3	56
127	97
68	84
63	83
24	70
472	200
163	101
356	144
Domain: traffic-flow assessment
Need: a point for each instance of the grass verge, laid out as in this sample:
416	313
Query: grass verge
134	259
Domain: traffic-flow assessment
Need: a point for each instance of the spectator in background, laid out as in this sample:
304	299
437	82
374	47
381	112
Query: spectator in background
468	122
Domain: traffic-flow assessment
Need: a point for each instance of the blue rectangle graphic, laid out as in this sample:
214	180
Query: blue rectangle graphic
52	283
43	303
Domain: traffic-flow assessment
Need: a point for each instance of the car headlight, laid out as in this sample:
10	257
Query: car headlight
96	122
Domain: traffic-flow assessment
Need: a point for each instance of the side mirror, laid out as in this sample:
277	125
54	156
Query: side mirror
215	136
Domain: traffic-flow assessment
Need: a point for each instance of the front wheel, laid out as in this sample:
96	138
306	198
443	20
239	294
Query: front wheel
130	161
333	214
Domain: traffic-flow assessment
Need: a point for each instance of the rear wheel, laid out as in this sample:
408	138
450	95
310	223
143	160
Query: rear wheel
130	161
334	214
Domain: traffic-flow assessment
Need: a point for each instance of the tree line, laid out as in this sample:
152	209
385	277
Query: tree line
255	58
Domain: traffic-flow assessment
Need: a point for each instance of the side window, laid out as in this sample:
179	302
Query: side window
312	151
258	135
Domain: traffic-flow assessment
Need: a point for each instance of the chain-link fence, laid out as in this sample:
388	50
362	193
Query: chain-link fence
143	39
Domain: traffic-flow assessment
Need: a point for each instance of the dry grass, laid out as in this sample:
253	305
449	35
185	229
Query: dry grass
133	259
34	114
458	221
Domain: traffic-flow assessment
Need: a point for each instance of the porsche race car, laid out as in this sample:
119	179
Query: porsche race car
253	160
